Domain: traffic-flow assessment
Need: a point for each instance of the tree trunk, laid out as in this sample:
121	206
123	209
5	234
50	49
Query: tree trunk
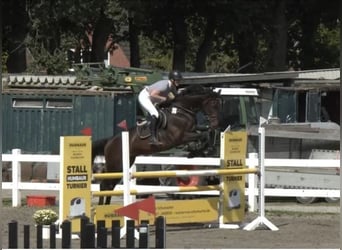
206	45
16	62
100	37
179	40
247	47
309	27
278	50
134	43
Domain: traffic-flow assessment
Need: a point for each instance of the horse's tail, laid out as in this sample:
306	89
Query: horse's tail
97	148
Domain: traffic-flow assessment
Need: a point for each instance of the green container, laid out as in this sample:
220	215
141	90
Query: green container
33	121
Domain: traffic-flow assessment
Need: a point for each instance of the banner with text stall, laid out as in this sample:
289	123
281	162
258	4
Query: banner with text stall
75	179
233	153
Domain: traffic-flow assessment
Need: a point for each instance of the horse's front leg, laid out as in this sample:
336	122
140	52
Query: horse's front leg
192	136
196	144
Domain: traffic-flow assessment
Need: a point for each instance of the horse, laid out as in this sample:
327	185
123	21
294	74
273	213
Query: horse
178	127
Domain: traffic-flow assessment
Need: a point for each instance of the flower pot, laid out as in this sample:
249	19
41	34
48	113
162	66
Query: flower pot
46	232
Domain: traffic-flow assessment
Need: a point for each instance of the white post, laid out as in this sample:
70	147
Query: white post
125	168
16	178
261	219
252	183
262	172
133	181
126	178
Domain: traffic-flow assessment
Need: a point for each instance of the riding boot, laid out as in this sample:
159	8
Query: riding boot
153	127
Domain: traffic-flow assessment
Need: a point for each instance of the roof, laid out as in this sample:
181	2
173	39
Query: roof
48	82
42	81
118	57
267	77
319	77
321	74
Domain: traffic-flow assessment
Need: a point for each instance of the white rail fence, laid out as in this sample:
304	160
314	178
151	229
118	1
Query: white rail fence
17	186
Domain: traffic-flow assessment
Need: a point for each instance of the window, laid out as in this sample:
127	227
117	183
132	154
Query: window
59	103
230	114
27	103
37	103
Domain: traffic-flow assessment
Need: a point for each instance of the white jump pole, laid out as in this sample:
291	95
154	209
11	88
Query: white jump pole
127	197
261	219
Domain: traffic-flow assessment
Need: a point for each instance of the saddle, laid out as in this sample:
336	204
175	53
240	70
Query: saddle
143	125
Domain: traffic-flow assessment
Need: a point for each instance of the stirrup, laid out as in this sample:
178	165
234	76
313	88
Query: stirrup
154	141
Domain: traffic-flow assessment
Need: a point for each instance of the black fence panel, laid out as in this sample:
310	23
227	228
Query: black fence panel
88	234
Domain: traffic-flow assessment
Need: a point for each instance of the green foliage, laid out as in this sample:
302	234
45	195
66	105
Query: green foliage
153	56
55	26
51	64
4	57
222	63
327	47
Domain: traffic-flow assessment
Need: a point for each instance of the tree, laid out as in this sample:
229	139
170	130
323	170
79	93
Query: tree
188	35
310	22
15	21
278	42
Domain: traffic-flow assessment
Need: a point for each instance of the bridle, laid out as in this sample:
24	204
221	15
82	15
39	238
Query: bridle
192	111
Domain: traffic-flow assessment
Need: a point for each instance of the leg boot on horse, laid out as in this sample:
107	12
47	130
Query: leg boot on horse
154	134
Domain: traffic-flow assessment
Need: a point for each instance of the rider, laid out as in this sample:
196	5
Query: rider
159	92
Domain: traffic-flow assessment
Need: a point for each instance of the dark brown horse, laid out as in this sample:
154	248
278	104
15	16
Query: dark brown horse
179	128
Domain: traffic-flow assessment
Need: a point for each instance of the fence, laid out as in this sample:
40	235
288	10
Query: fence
91	235
16	186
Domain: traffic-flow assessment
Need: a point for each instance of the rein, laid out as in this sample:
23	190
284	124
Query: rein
184	109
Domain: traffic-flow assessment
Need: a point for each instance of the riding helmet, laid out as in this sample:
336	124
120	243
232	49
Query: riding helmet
175	75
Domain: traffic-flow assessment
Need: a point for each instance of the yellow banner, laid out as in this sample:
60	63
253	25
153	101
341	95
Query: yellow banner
175	212
234	156
75	194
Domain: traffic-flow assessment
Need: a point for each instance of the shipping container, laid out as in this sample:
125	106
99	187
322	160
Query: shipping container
35	118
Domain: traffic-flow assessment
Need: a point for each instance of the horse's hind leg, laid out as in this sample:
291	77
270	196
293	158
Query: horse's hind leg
102	188
106	185
108	198
101	200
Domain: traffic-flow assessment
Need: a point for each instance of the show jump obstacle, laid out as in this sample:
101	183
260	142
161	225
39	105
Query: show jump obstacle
228	208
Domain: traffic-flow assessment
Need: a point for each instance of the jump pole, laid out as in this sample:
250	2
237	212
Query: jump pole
127	197
178	173
238	150
261	219
127	192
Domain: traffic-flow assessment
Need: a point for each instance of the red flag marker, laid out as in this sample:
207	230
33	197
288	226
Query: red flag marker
86	131
132	210
123	125
148	205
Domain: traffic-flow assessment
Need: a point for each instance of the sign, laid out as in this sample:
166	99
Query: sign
132	211
233	154
75	182
175	212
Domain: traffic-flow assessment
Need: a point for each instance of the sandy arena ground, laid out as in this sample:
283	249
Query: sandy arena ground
300	226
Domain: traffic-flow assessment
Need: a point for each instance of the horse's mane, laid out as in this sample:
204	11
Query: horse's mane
193	90
190	93
197	90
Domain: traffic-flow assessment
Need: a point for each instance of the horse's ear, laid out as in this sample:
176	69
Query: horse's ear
217	92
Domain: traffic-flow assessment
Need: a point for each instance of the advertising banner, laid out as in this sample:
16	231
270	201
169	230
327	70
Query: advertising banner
175	211
234	157
75	180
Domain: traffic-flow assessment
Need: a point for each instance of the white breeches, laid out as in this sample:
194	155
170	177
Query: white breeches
146	104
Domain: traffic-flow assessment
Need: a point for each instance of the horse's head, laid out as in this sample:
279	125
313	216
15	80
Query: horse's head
211	106
202	99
